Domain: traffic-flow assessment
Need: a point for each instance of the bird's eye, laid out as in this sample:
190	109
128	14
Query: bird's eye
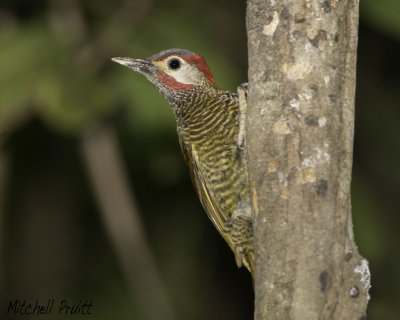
174	64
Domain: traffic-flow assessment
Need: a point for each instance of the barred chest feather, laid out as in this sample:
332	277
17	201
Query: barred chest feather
208	127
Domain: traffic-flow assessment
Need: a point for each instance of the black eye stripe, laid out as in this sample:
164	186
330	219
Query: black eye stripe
174	64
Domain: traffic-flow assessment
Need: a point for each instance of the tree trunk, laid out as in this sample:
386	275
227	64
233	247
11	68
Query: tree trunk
302	59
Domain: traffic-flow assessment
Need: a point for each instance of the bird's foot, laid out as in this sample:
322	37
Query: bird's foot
241	230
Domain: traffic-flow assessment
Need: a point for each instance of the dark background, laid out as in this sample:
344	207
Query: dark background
57	83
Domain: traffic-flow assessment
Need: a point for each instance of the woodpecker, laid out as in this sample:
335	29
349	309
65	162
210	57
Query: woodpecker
210	124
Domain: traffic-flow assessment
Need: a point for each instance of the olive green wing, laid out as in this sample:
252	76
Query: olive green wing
206	198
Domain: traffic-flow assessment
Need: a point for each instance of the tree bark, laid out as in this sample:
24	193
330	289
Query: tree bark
300	122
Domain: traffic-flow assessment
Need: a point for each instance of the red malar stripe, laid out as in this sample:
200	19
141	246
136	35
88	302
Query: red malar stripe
171	83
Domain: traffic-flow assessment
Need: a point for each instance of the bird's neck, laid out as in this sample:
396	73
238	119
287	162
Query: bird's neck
201	113
187	104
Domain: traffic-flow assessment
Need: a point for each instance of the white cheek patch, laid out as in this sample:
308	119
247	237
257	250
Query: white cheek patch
186	74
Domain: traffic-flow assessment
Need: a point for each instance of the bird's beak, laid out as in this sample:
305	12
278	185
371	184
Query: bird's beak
142	66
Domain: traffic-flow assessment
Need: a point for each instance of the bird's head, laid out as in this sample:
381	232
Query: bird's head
173	71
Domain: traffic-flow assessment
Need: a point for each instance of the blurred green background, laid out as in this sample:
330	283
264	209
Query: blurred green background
86	144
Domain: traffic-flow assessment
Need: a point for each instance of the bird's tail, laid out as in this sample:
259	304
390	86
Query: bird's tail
248	261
